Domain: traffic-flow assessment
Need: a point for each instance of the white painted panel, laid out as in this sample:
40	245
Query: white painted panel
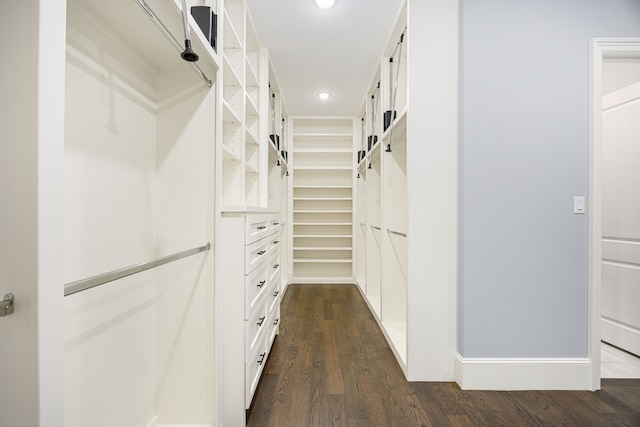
184	321
621	218
623	251
621	294
621	174
31	147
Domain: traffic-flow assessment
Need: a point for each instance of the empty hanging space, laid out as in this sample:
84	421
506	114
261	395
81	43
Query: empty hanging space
394	240
139	160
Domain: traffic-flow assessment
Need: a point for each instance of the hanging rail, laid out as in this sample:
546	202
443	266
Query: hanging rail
397	233
165	32
101	279
398	136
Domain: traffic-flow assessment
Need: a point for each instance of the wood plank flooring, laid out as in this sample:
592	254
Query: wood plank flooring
331	366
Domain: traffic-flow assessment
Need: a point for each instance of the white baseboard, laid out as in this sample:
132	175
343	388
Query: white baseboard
523	374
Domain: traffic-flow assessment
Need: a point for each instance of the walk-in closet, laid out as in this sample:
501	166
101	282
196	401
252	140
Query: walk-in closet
209	204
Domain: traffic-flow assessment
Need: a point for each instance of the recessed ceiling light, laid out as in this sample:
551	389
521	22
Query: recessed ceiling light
325	4
323	96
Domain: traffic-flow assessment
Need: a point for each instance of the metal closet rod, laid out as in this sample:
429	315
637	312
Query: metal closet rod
101	279
397	233
165	32
393	54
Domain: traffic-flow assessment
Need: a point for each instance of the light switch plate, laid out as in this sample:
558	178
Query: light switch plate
579	205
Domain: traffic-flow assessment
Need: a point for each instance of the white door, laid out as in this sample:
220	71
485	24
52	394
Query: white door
620	324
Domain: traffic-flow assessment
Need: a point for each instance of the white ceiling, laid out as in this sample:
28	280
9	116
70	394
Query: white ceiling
314	50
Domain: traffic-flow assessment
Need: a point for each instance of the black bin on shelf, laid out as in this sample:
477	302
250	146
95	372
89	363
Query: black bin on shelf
207	22
276	140
371	141
387	119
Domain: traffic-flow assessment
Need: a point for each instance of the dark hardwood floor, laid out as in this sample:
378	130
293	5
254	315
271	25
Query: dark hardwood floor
331	366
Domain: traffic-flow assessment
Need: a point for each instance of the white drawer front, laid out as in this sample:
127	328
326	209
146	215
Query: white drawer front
258	226
255	329
273	295
274	243
274	326
274	223
256	253
273	267
253	369
255	287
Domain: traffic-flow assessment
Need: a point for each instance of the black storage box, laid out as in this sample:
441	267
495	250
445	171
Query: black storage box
276	140
387	118
371	141
207	21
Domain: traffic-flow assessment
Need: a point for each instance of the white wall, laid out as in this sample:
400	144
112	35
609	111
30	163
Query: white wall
524	155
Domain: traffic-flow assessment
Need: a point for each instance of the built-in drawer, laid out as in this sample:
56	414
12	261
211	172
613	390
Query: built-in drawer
255	328
274	326
255	287
273	267
274	223
253	369
273	294
256	253
274	242
258	226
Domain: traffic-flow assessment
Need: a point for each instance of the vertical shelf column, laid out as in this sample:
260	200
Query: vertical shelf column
323	200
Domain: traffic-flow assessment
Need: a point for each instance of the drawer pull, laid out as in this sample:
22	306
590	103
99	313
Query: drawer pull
276	321
261	252
261	320
262	227
261	358
275	294
276	266
276	242
261	283
276	223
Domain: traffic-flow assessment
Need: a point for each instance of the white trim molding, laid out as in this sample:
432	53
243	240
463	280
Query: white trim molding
522	373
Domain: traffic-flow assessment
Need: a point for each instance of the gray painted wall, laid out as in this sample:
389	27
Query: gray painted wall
524	155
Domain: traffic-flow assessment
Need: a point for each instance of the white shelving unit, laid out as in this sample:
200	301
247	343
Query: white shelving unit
322	200
278	168
244	77
252	179
407	196
382	214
